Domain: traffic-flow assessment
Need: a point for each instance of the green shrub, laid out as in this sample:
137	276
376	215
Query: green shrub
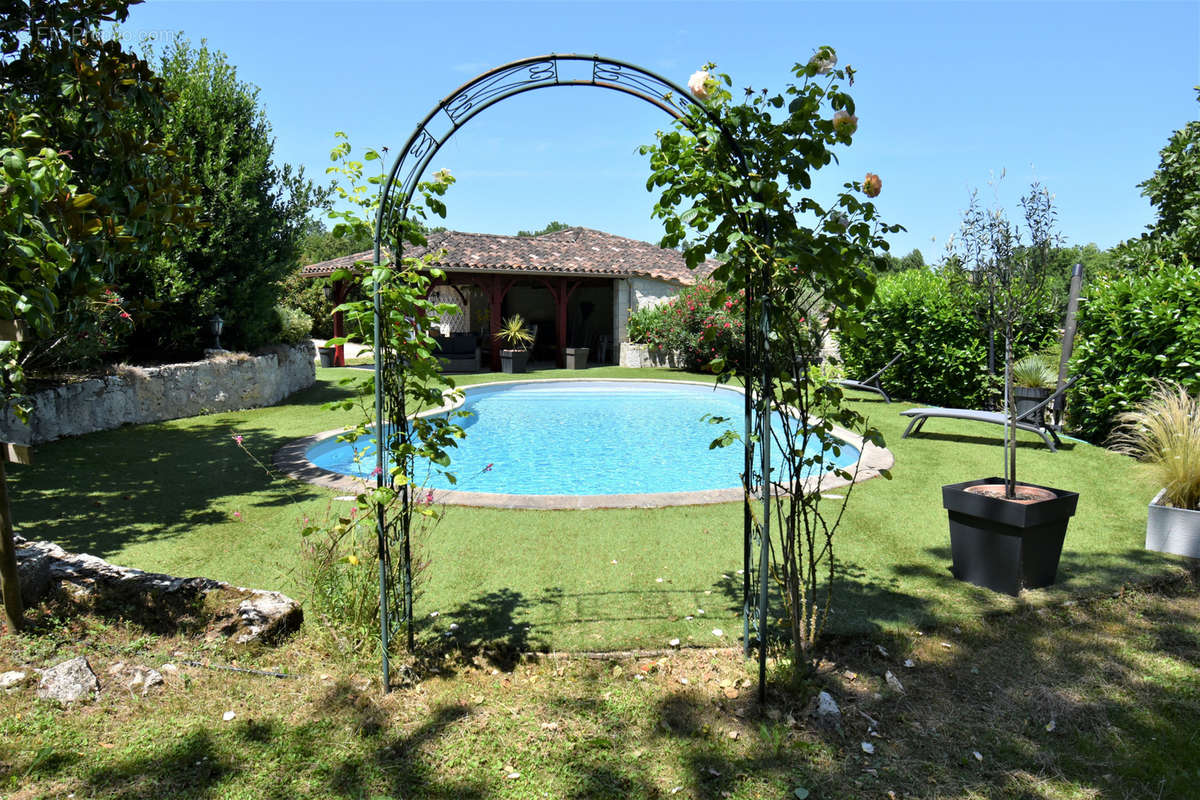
935	324
929	321
308	295
1133	329
294	325
648	324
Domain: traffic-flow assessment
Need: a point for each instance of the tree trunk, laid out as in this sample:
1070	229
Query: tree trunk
1010	443
10	582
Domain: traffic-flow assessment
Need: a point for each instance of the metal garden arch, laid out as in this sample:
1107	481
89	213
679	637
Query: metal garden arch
458	108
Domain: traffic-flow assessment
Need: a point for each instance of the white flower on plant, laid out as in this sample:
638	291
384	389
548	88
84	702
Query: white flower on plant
700	84
443	176
824	60
845	122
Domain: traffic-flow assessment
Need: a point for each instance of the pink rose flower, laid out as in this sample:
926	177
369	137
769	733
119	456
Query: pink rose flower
699	85
871	185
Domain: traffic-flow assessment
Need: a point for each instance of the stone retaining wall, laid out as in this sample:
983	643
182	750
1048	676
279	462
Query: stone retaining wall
643	355
137	395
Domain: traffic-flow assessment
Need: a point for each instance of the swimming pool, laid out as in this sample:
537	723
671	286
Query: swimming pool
581	437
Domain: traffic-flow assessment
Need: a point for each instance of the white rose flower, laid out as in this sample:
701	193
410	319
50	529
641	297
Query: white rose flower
824	60
845	122
698	84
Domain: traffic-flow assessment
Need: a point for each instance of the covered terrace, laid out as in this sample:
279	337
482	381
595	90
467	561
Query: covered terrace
575	287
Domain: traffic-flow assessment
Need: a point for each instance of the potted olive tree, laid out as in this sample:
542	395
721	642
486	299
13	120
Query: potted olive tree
1164	430
1006	535
518	338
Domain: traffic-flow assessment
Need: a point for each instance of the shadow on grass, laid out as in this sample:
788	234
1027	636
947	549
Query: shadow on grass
192	766
485	628
1103	697
102	492
863	602
1100	699
258	752
1023	443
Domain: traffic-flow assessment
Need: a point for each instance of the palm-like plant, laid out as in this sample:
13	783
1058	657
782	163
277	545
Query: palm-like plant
514	333
1164	430
1034	372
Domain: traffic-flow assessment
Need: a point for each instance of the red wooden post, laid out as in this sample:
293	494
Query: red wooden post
339	324
560	322
496	305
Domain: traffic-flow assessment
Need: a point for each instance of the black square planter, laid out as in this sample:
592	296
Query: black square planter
1002	545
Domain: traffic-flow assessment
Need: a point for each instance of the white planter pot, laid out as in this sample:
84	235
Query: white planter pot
1172	530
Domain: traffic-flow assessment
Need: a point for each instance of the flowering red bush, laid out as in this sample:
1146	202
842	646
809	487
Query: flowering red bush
698	325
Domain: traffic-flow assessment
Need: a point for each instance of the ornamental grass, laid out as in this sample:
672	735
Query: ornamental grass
1164	430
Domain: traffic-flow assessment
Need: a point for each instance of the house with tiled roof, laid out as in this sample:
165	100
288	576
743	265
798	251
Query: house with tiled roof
577	286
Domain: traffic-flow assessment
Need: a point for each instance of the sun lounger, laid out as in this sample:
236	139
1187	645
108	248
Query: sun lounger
871	384
1030	421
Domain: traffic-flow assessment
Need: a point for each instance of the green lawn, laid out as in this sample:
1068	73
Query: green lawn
181	497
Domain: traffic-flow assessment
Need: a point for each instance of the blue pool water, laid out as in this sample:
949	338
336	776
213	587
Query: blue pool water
581	438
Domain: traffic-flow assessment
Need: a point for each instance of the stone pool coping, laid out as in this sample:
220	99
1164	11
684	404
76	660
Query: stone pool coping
290	459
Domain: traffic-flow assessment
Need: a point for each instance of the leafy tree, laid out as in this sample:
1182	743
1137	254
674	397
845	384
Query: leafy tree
81	189
735	178
1174	191
553	226
889	262
319	243
255	213
99	107
307	294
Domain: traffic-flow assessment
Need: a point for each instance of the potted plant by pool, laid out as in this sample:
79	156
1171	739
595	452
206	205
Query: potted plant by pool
1164	430
1034	379
1006	535
518	338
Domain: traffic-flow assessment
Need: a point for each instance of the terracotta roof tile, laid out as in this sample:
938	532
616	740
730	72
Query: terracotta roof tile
573	251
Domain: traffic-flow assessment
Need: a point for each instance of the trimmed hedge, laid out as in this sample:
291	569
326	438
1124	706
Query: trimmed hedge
1134	328
931	322
920	315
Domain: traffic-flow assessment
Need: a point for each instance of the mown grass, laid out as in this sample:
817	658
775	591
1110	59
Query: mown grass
183	498
1075	701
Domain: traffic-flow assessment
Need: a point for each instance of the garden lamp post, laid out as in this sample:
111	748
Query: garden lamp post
215	326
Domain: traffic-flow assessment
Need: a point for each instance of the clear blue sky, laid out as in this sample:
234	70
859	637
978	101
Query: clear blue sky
1081	96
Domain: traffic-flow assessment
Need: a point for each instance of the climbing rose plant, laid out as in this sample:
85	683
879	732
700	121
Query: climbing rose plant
343	551
735	181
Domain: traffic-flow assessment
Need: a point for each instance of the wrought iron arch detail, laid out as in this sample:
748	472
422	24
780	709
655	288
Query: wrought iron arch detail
501	83
430	134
